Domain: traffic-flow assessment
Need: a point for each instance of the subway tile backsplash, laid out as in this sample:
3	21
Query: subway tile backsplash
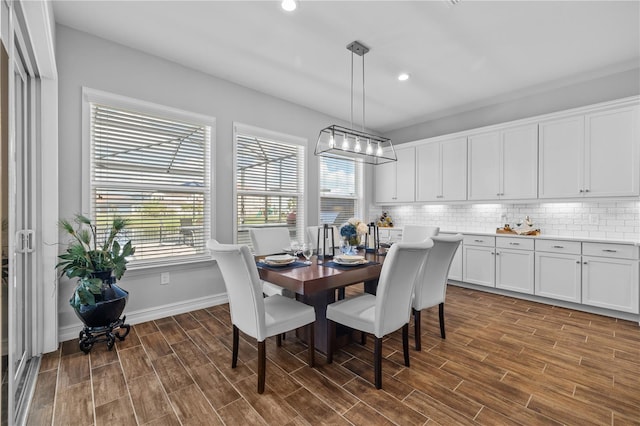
615	220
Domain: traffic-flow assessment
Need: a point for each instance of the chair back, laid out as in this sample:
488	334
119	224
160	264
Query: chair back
269	240
312	237
240	274
417	233
395	286
431	286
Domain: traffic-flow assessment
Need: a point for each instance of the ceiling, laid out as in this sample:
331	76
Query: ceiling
460	57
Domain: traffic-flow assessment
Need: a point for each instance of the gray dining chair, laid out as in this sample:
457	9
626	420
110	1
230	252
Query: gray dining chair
388	310
416	233
431	288
257	316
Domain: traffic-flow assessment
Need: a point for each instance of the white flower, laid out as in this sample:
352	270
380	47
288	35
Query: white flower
362	228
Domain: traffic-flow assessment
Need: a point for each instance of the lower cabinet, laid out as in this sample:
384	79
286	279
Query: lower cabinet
558	270
610	283
455	272
478	258
514	265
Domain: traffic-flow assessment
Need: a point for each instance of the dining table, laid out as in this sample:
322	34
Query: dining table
315	284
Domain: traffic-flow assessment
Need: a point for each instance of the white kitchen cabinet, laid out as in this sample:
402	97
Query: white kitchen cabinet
514	259
455	272
503	164
478	258
610	276
442	170
558	270
395	181
389	235
592	155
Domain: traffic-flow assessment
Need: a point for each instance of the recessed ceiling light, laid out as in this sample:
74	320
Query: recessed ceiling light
403	76
289	5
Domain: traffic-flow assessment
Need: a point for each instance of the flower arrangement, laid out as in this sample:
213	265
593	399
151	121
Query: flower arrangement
351	229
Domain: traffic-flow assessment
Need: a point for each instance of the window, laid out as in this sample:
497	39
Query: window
151	165
269	182
340	190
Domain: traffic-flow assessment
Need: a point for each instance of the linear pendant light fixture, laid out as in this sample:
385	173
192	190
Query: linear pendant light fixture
340	142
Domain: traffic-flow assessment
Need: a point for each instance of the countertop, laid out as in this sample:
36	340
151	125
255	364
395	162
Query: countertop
544	237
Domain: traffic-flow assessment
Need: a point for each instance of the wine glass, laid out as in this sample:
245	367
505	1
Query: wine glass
295	248
345	246
307	251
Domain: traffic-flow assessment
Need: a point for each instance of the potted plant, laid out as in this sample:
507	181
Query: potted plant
97	300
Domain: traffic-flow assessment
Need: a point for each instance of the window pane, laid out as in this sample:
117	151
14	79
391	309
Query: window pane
340	189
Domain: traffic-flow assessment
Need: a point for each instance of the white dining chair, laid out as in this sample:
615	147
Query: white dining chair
387	311
431	287
257	316
416	233
268	241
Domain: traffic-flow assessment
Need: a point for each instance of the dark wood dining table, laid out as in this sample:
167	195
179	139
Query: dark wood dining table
316	285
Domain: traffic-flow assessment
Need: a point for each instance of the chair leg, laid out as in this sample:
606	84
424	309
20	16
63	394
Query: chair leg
417	330
363	338
331	340
377	362
278	340
311	333
262	365
441	314
405	343
341	293
234	352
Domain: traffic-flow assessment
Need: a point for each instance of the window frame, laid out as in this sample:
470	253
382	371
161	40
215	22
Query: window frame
261	133
90	96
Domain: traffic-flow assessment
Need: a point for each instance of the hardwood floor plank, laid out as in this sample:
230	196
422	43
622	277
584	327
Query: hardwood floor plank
187	321
328	391
108	384
43	398
149	399
270	405
214	385
167	420
74	402
569	410
240	413
155	345
132	340
101	355
74	369
135	362
313	410
192	408
145	328
171	373
363	415
116	412
171	330
189	354
50	361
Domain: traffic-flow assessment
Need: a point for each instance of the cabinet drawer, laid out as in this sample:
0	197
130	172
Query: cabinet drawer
479	240
558	246
619	251
514	243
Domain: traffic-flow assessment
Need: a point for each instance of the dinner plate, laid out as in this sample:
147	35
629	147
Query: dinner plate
280	258
282	263
349	258
350	263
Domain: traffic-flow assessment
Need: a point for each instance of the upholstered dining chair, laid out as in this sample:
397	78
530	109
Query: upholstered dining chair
312	237
431	288
387	311
257	316
267	241
416	233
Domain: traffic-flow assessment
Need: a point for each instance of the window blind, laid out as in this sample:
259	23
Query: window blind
340	190
155	172
269	179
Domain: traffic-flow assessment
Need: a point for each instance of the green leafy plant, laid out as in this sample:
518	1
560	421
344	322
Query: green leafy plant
88	260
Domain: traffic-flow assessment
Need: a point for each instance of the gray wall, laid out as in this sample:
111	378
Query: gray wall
85	60
611	87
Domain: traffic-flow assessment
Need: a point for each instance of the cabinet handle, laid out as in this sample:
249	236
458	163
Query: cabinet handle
584	263
558	246
492	253
497	253
577	261
586	190
610	250
514	244
582	190
479	241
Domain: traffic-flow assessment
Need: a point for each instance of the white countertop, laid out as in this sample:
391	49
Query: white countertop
544	237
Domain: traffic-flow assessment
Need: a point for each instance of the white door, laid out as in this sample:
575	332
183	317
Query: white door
454	169
385	179
428	172
610	283
514	270
561	158
484	167
455	272
479	265
406	174
519	172
558	276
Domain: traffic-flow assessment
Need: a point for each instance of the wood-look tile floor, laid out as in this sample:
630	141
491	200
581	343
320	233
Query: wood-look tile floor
504	361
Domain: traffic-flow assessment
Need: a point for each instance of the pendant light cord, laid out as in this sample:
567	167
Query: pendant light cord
363	92
352	89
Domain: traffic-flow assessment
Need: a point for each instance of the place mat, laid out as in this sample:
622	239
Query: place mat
332	264
296	264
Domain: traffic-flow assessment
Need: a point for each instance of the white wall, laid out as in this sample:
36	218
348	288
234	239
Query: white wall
85	60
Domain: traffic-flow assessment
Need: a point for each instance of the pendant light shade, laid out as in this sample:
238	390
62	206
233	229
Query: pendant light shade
342	142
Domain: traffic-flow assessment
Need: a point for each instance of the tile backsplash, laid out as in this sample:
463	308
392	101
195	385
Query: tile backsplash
615	220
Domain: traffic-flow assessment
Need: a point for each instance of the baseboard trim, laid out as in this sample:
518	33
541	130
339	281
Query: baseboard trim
143	315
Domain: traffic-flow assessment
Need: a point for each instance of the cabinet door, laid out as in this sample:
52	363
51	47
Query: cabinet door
385	178
484	167
610	283
558	276
561	147
406	174
479	265
455	272
514	270
454	169
428	172
520	163
611	153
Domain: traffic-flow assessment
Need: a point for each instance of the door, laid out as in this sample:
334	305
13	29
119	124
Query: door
406	174
610	283
514	270
385	178
484	167
561	158
453	168
479	265
519	155
429	185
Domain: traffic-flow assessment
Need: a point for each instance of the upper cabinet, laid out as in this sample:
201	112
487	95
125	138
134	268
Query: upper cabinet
442	170
396	181
503	164
592	155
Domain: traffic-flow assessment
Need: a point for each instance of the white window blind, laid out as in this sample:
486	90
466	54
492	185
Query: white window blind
155	172
269	177
340	190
